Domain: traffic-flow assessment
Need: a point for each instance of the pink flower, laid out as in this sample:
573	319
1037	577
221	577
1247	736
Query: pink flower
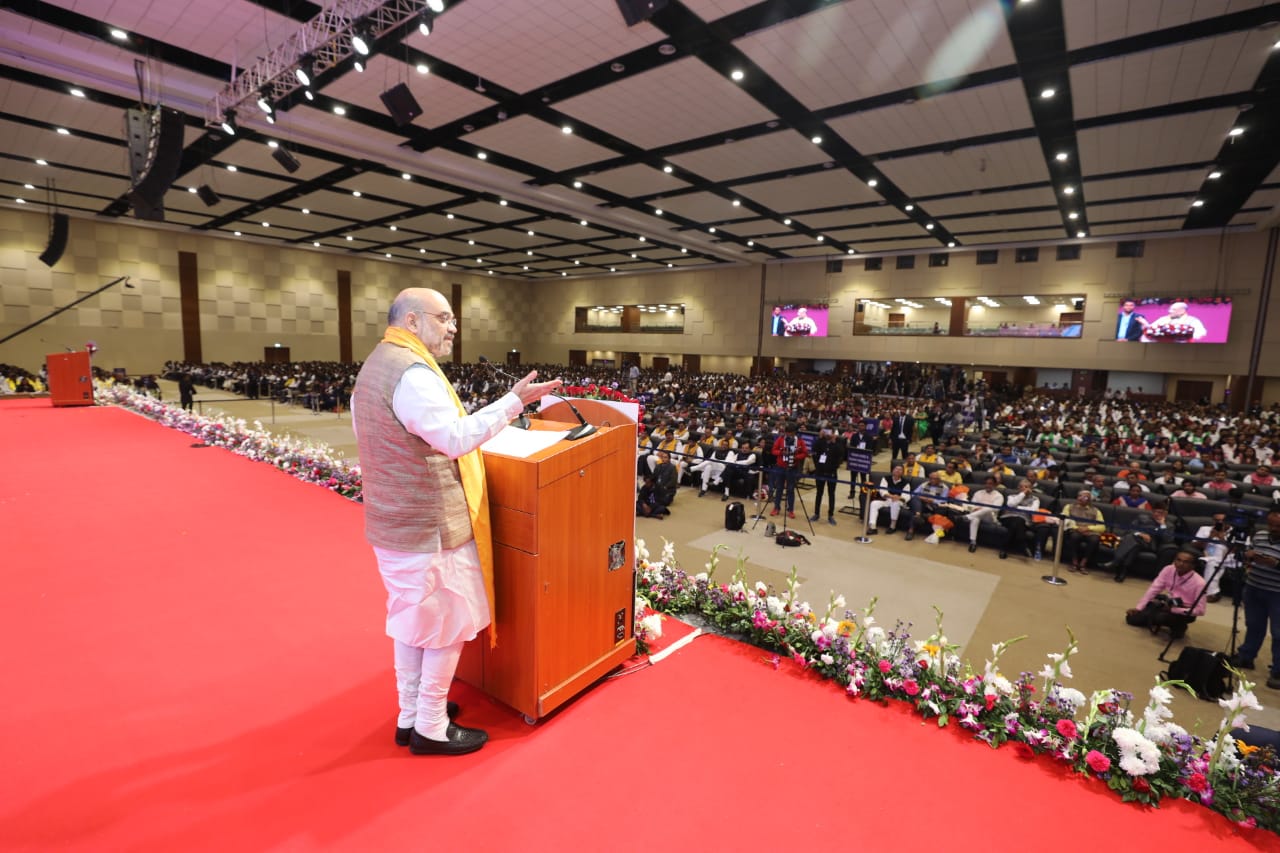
1248	823
885	666
1097	762
1067	728
910	687
1197	783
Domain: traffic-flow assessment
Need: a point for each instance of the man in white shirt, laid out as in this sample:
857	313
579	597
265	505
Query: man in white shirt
989	499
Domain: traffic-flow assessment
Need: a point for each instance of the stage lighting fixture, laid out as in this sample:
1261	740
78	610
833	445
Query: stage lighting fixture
425	23
360	40
359	65
263	103
304	71
207	195
436	6
229	123
284	158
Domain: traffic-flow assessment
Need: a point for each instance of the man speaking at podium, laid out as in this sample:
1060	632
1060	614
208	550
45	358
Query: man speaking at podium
426	511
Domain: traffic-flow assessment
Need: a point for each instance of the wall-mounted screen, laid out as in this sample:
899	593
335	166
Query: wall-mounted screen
1174	320
798	321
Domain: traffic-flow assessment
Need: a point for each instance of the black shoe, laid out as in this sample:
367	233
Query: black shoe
973	546
815	517
1109	567
1119	578
460	741
1004	555
1274	682
702	493
892	530
911	534
403	735
1239	663
725	497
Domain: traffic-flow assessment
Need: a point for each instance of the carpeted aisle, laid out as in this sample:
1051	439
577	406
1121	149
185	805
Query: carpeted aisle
194	660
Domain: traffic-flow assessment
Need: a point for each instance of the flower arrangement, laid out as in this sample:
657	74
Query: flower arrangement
1170	332
598	392
309	461
1140	754
941	524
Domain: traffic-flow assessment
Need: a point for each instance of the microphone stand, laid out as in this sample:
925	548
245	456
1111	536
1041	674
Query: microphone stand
522	422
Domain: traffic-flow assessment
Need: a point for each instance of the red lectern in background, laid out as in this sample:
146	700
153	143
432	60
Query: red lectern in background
70	379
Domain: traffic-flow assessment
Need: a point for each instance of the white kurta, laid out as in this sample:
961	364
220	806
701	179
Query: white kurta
437	599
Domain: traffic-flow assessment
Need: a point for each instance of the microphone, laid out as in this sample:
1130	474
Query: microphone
582	430
521	422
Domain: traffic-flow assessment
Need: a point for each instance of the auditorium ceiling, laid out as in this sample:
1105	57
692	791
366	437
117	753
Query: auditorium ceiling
554	140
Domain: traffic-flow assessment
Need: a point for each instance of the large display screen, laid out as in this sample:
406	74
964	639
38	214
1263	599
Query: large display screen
798	321
1174	320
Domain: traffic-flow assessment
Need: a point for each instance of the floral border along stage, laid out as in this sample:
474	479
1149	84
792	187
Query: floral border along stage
309	461
1141	754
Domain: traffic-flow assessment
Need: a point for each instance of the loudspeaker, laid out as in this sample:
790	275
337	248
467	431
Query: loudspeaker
635	11
400	102
57	239
207	195
284	158
163	156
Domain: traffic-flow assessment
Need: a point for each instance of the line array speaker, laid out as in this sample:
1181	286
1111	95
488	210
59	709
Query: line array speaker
207	195
284	158
163	140
58	228
635	11
400	102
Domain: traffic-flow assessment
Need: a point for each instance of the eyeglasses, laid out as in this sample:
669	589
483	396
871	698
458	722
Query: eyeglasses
445	319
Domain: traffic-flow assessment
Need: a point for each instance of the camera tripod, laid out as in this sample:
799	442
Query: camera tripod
1234	555
779	497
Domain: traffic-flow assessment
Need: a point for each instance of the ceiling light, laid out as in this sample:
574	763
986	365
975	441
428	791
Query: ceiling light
339	110
851	251
359	65
41	162
392	227
786	222
79	93
263	103
189	189
684	251
388	254
611	269
271	119
657	211
62	131
349	238
737	203
816	140
482	155
436	6
577	185
1235	131
1213	176
566	130
1068	190
304	71
307	94
1047	93
529	252
1198	203
1079	233
577	263
821	238
928	226
424	24
524	267
873	183
24	201
751	242
448	216
360	41
634	255
1073	215
356	193
564	273
423	68
237	233
444	263
306	210
479	260
670	265
230	168
502	202
641	239
711	230
317	245
119	35
582	222
530	233
422	251
271	143
737	74
668	169
1061	156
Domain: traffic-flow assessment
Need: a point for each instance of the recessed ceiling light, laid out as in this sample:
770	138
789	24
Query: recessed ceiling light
751	242
24	201
266	225
684	251
1198	203
339	110
670	265
349	238
471	242
928	226
448	216
529	252
422	68
524	267
851	251
1061	156
79	93
657	211
566	130
821	238
1235	131
119	35
306	210
406	176
1213	176
481	155
479	260
577	185
388	254
816	140
317	245
62	131
1079	233
231	168
502	202
737	203
951	244
737	74
422	251
641	239
711	230
873	183
668	169
392	227
1073	215
786	222
530	233
444	263
1047	93
40	162
189	189
271	143
582	222
356	193
1068	190
611	269
564	273
577	263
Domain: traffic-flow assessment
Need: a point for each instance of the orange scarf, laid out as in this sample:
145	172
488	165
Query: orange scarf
470	469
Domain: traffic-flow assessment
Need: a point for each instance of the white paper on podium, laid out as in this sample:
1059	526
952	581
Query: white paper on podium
522	443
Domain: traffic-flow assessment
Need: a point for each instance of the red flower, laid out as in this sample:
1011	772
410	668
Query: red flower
1067	728
1198	783
1024	750
1097	762
1141	785
910	687
991	700
885	666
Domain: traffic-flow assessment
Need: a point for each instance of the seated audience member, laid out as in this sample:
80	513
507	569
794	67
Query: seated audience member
1082	530
1261	481
911	466
1173	599
711	468
1017	517
649	499
988	499
952	476
1167	482
892	494
1134	499
1219	488
1150	532
738	465
1189	490
928	497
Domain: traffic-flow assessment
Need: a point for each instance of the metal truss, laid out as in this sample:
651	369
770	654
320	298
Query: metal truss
325	40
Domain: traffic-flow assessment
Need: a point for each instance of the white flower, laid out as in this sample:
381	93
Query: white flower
701	576
1047	672
838	602
1068	697
652	625
642	553
1161	695
774	605
668	552
875	635
1138	756
827	659
802	609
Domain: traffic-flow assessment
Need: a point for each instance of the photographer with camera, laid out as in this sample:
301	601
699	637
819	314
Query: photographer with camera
1262	598
1174	598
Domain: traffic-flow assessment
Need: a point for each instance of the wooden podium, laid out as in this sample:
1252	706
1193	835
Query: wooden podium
70	378
564	569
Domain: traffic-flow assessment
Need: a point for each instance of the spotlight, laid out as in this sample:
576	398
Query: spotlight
207	195
304	71
229	122
425	22
307	94
359	65
360	40
285	159
263	103
436	6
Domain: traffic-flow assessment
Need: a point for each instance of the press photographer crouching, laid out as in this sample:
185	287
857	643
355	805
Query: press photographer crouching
1174	599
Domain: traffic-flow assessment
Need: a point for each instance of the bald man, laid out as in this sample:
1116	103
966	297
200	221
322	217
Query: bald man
426	512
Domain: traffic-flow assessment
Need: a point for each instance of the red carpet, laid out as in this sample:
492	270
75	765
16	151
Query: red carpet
194	659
